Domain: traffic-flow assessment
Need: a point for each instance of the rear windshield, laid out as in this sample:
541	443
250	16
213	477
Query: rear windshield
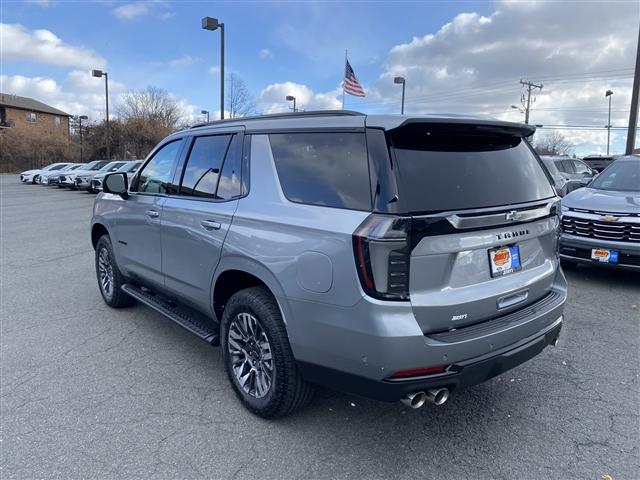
444	167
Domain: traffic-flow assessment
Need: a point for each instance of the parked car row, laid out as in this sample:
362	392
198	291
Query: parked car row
79	176
568	173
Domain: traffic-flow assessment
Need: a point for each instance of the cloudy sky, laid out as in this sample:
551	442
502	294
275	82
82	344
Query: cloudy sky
460	57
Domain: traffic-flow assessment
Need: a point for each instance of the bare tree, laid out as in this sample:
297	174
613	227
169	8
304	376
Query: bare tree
239	101
153	104
147	116
554	143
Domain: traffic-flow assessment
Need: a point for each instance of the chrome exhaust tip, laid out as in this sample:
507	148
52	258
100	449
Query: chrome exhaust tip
415	399
438	396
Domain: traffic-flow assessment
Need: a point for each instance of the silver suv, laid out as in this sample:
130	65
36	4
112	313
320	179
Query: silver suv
394	257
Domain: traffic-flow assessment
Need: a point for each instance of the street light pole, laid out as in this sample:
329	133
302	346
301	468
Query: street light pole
609	94
98	74
291	98
82	117
212	24
205	112
401	80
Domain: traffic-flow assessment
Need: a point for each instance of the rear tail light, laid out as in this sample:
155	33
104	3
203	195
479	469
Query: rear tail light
381	250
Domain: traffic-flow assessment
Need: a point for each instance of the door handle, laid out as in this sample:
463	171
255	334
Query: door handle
152	213
210	225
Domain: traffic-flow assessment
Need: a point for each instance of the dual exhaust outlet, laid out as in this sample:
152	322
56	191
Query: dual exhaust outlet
437	396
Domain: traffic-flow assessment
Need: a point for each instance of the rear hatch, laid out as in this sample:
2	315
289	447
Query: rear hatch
483	227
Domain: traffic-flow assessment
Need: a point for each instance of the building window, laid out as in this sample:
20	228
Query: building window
56	121
31	117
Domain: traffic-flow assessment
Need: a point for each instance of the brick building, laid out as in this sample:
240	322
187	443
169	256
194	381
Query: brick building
28	114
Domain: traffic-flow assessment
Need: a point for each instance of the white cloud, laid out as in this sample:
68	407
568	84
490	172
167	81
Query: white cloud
134	10
473	64
130	11
82	81
214	70
265	54
182	61
272	98
80	94
190	113
20	44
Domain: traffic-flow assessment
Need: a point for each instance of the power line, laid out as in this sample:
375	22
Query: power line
487	89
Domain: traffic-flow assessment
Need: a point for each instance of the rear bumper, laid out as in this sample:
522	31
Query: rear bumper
459	375
578	249
357	349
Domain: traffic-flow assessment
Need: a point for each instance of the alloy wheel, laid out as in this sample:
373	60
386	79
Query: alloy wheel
105	272
250	352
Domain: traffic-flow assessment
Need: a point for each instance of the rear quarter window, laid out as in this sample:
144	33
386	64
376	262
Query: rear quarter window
323	168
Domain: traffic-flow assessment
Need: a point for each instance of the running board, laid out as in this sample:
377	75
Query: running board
184	316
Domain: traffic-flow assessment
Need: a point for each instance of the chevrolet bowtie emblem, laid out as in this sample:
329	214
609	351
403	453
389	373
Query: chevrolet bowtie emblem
512	216
609	218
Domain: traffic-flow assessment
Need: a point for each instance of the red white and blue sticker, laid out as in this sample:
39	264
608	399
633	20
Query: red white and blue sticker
504	260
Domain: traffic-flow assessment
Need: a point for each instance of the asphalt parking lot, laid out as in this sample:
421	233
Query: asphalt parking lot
90	392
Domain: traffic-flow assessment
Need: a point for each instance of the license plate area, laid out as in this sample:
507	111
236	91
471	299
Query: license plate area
504	260
604	255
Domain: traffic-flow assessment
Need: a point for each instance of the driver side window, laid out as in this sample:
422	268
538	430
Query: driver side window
155	177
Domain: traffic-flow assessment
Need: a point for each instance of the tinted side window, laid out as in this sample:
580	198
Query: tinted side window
328	169
229	183
200	178
567	166
155	177
99	165
581	168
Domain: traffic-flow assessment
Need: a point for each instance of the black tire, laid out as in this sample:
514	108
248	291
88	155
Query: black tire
568	265
106	264
288	391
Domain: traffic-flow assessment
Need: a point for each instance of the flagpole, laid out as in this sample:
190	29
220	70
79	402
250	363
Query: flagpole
344	75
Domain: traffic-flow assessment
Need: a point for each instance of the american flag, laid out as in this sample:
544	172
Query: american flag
350	84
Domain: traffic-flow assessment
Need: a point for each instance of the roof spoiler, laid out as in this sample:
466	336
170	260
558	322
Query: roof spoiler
479	124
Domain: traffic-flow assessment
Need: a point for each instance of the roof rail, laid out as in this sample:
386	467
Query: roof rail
271	116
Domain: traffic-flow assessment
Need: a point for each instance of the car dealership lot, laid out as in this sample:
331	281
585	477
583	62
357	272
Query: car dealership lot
96	393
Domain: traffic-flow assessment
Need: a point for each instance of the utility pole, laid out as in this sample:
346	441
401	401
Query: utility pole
527	104
609	94
633	114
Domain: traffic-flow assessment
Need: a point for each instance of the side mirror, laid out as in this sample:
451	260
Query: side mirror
584	181
116	183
